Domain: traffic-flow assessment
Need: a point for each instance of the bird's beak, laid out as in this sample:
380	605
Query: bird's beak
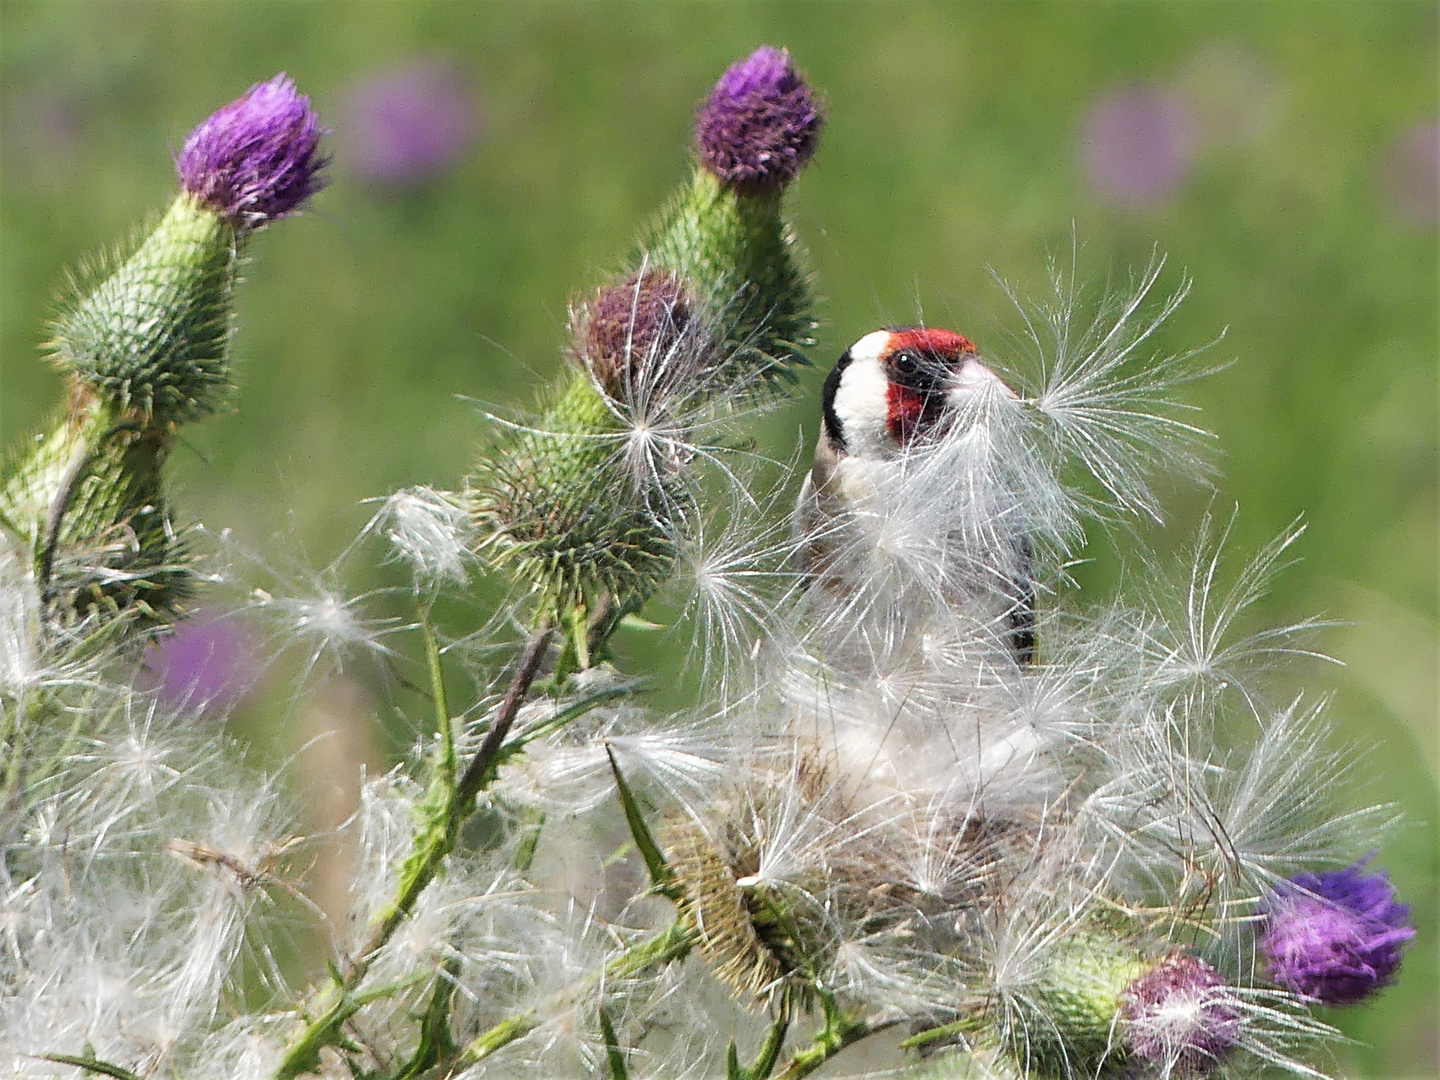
974	377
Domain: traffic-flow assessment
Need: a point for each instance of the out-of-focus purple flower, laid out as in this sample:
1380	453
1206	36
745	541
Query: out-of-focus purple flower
1138	145
1411	174
1335	937
761	123
258	158
208	662
1181	1015
404	125
44	128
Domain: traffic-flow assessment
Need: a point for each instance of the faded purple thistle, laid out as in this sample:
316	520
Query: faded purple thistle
1139	145
760	124
630	329
1336	937
257	158
1181	1015
208	663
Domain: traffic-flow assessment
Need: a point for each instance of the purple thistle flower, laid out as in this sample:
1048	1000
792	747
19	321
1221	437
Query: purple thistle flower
760	124
255	159
1181	1015
1411	174
1336	937
209	662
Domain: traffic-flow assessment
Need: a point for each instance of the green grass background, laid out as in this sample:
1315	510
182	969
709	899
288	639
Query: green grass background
952	150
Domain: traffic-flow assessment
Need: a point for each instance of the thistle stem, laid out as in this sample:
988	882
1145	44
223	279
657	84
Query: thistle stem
671	944
478	771
839	1032
444	813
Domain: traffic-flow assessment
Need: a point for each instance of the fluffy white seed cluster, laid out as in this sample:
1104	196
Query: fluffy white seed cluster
878	811
142	890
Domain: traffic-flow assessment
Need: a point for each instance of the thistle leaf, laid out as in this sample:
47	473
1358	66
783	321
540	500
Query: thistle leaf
662	879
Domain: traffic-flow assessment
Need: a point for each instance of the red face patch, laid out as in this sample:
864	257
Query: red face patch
917	359
945	344
908	411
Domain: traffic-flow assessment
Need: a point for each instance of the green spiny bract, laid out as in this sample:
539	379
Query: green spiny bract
1067	1020
143	350
741	257
86	500
152	335
561	509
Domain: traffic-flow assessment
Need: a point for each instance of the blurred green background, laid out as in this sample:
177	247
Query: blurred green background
1282	154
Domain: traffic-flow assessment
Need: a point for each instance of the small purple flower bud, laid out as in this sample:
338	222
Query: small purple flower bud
1336	937
630	330
256	159
760	124
1181	1015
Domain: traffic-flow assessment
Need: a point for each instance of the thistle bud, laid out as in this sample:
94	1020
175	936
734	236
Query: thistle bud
760	124
725	234
558	505
1067	1016
152	334
1336	937
257	158
1099	1001
143	346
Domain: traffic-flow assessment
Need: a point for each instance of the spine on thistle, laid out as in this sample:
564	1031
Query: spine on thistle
587	506
143	348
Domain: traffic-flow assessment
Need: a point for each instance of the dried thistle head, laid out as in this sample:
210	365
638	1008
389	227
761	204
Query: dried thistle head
632	335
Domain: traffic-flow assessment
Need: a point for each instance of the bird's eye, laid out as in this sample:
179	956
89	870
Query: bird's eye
906	364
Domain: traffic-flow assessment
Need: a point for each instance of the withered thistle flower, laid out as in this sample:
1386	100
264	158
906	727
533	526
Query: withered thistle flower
630	335
1181	1015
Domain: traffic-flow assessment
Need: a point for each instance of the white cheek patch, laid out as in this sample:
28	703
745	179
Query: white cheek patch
862	400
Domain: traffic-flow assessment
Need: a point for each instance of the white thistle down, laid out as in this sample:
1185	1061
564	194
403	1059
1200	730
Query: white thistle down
431	530
878	817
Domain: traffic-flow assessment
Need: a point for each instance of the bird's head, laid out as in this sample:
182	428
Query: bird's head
900	386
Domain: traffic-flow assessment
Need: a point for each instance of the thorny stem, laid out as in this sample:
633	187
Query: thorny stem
70	482
767	1057
443	812
671	944
498	1037
971	1020
71	478
839	1032
478	771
